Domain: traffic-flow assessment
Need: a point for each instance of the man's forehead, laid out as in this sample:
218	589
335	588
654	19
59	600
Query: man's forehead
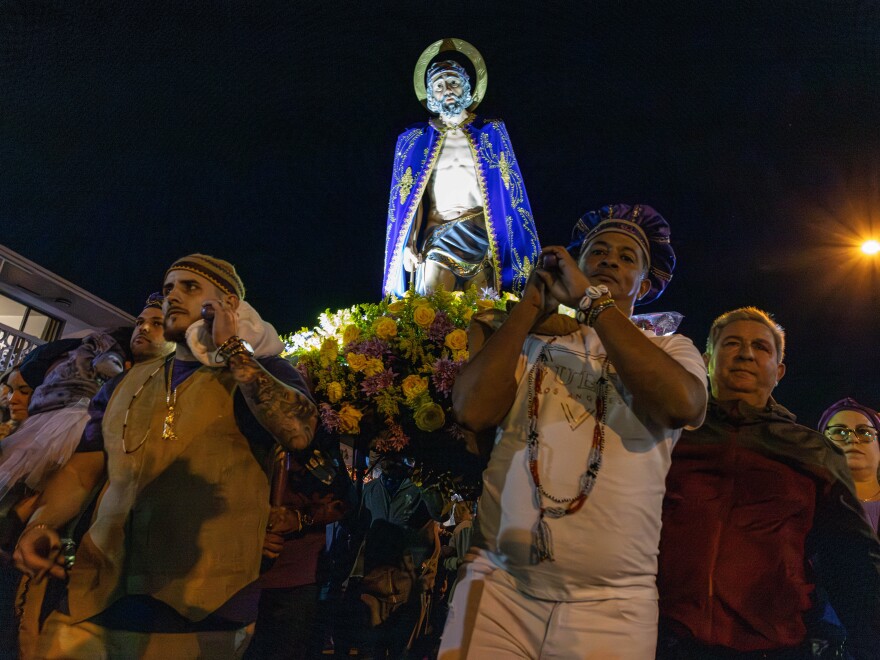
616	239
150	312
747	329
181	275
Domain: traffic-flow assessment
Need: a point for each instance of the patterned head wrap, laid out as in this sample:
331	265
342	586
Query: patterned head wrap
848	404
641	223
220	273
154	300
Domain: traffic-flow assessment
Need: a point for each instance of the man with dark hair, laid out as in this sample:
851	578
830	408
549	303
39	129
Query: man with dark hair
179	526
587	412
146	342
148	338
761	526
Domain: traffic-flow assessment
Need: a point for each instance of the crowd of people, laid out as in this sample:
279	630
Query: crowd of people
167	491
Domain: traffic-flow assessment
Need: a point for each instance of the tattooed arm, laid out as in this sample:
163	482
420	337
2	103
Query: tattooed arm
288	414
285	412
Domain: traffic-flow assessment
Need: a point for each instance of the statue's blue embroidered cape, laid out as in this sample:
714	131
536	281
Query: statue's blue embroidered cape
513	239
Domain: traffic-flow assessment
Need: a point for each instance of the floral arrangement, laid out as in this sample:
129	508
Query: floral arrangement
384	371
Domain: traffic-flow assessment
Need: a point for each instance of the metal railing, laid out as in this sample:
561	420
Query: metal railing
14	345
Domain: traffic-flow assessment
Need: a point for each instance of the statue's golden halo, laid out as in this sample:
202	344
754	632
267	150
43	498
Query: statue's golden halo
465	49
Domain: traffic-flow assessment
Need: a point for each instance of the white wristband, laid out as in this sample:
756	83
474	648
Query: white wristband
592	293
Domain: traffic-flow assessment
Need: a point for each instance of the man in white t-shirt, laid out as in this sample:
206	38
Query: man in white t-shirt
587	412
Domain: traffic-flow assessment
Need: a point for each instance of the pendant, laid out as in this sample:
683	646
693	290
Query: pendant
168	427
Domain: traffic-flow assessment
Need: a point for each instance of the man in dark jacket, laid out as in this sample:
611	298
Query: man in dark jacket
761	526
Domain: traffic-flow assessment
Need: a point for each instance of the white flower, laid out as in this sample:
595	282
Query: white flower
489	293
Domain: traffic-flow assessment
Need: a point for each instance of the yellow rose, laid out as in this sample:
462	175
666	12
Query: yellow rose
430	417
424	315
413	386
385	328
373	366
485	304
329	351
349	419
351	333
397	306
356	361
456	340
334	391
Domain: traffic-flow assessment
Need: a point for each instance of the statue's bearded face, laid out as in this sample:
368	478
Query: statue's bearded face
450	94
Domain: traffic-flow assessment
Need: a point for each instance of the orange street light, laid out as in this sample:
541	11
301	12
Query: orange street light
871	247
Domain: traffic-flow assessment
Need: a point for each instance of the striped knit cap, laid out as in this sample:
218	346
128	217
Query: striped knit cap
220	273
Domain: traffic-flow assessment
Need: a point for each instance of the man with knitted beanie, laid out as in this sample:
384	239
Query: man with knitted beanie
179	526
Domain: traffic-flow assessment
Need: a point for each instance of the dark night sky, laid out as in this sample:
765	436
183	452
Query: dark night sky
263	132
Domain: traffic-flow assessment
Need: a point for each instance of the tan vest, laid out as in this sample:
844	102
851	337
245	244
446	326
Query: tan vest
180	520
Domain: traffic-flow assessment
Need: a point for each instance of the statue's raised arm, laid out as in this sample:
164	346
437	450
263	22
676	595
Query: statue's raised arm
458	213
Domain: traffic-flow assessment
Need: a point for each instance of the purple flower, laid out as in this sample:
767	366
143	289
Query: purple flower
445	371
441	327
329	418
374	348
372	385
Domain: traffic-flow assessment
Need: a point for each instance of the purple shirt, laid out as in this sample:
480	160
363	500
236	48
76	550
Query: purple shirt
872	513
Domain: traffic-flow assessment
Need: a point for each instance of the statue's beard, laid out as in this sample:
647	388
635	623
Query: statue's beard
452	108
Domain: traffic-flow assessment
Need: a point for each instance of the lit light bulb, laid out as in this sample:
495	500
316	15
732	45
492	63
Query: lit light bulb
871	247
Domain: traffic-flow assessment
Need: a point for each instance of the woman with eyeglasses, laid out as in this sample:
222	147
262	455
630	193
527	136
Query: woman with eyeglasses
853	427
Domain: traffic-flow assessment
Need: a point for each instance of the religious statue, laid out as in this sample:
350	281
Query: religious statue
458	214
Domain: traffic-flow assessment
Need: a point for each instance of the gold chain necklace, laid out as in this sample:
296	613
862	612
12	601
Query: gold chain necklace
871	498
170	401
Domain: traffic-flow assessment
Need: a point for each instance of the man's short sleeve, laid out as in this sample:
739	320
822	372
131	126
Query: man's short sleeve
682	350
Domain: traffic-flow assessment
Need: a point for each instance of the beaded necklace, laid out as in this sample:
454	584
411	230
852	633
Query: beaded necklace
170	401
565	506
